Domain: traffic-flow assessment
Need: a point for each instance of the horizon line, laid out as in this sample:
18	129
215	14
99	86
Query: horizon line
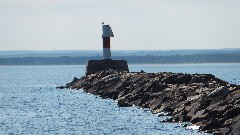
119	50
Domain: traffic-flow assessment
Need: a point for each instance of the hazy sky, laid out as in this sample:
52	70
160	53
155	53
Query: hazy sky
136	24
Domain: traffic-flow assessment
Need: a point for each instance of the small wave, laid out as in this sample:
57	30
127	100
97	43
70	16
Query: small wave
192	127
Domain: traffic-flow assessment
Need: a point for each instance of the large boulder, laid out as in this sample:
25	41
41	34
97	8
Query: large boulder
157	102
170	79
183	79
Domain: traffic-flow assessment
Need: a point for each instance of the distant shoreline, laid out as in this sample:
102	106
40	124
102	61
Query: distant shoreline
128	64
132	57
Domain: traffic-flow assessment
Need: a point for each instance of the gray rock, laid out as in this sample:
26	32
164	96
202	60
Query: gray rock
221	91
235	128
198	80
191	98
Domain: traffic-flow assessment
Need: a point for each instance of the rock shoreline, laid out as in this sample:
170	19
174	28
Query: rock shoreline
202	99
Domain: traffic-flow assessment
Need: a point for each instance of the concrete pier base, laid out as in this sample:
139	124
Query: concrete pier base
94	66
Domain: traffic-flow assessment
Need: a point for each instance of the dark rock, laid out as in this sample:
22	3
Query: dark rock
231	112
156	87
209	77
183	118
157	102
75	79
178	110
222	91
198	80
183	79
232	85
137	102
169	79
210	125
168	119
184	125
122	103
200	116
62	87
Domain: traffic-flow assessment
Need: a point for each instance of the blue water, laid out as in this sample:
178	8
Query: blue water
30	104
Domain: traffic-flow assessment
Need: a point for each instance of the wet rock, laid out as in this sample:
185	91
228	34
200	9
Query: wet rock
122	103
166	108
62	87
182	118
168	119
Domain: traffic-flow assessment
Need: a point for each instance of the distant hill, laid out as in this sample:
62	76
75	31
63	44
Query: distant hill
71	57
73	53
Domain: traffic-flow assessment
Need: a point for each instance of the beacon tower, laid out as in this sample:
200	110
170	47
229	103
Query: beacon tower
106	63
107	33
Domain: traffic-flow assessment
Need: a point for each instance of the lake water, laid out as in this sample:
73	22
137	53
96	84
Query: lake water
30	103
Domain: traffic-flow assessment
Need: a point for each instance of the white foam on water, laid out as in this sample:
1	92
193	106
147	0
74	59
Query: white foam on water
192	127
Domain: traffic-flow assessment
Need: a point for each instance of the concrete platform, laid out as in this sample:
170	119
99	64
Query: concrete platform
94	66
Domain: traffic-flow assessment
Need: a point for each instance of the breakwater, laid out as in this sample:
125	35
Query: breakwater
202	99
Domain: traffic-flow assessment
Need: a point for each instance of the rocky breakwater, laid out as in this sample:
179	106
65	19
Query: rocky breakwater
201	99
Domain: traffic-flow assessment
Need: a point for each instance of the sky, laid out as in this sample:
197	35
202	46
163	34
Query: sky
136	24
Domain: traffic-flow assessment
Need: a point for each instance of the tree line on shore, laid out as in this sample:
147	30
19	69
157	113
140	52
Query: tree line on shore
148	59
